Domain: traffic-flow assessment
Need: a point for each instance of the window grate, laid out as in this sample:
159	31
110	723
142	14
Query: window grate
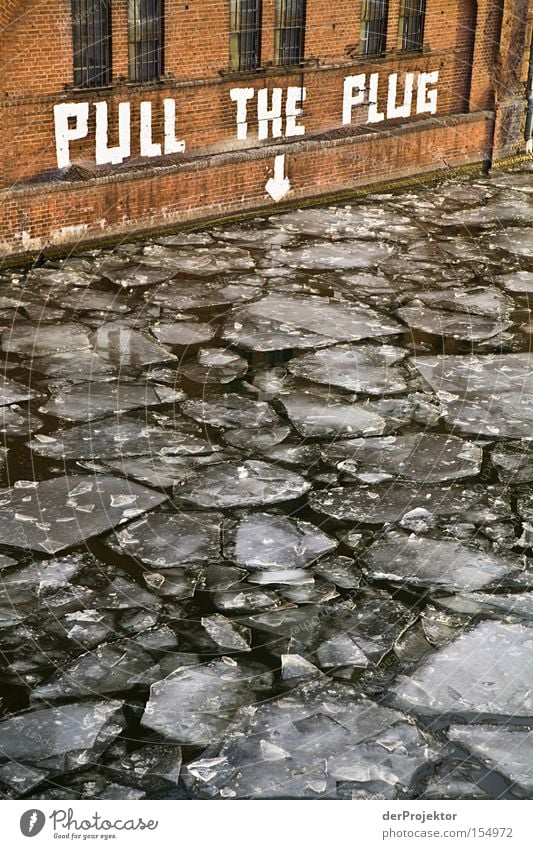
145	40
290	32
91	38
412	20
374	19
245	30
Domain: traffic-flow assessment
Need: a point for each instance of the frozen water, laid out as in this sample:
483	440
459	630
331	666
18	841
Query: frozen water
515	240
330	415
486	671
368	370
384	504
122	437
123	346
322	256
424	458
163	540
466	327
183	333
490	395
231	411
508	751
84	402
109	668
342	571
307	743
61	738
73	365
180	295
277	322
514	461
264	541
515	605
62	512
206	261
251	483
12	392
520	282
160	471
215	365
482	300
227	634
433	563
37	339
209	694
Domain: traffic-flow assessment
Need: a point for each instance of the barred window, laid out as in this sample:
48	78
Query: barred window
91	38
412	19
145	40
245	32
289	32
374	18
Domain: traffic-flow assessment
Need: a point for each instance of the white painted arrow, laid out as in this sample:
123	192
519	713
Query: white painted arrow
278	186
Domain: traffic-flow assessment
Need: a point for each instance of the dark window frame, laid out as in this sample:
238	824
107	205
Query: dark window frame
289	38
91	42
245	34
146	35
374	25
412	24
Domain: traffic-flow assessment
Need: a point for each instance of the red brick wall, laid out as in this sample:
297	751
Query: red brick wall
36	73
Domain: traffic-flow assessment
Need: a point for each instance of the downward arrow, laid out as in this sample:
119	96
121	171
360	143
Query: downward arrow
278	186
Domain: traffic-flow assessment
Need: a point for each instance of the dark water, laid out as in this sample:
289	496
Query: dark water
266	507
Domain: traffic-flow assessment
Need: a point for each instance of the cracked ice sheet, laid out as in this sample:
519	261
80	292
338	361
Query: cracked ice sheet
278	322
487	672
180	295
123	346
330	415
373	623
124	437
489	395
326	256
420	457
63	738
265	541
62	512
247	484
208	695
304	744
433	563
383	504
369	370
232	411
215	365
84	402
483	300
35	339
183	333
454	325
508	751
164	540
12	392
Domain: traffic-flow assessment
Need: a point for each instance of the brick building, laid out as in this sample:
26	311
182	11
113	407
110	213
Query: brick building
118	116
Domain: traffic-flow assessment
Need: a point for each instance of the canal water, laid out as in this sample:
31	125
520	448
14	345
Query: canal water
266	515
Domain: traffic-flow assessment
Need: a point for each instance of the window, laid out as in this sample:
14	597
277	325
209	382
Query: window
412	18
374	17
91	37
290	32
245	29
145	40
